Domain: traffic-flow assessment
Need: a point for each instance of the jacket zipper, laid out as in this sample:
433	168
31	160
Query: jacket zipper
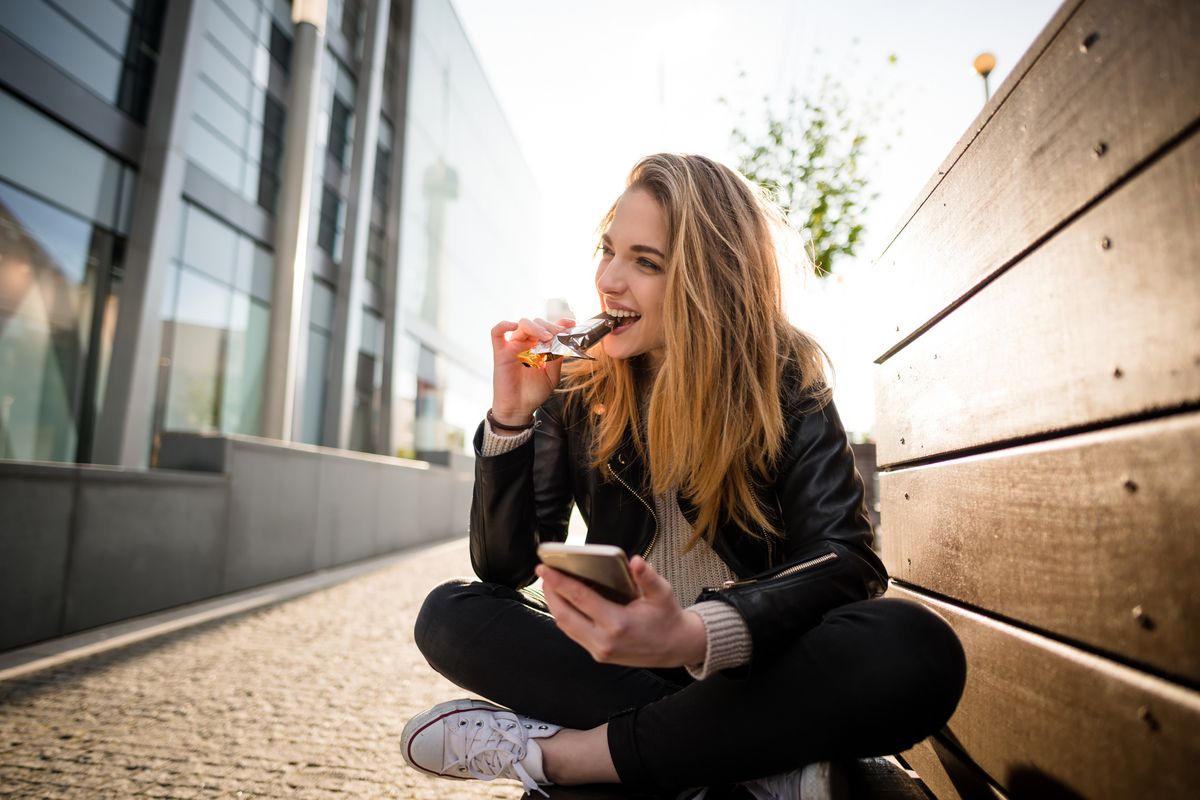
792	570
653	539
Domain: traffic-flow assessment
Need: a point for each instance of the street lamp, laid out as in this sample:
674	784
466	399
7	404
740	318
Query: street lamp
984	64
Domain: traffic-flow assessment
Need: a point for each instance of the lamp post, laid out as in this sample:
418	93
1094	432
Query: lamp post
984	64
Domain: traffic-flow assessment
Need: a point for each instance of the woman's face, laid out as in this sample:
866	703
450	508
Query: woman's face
630	276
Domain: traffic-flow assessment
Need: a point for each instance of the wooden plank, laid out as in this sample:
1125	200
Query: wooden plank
1133	88
1101	322
1093	537
1043	719
947	775
994	103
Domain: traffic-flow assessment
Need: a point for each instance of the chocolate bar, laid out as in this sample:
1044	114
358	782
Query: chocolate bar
571	343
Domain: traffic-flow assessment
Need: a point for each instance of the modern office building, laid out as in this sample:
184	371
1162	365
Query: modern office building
289	220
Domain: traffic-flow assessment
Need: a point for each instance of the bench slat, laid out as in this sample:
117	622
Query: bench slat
1039	716
1134	89
1070	536
1074	334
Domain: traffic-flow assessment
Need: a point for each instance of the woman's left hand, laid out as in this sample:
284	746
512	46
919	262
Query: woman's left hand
651	631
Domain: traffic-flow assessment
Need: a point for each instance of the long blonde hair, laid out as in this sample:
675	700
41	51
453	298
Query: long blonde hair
714	424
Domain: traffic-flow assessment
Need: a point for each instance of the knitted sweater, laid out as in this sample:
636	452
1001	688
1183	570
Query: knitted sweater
728	638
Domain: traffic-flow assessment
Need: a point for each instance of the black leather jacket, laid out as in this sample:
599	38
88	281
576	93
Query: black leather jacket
784	586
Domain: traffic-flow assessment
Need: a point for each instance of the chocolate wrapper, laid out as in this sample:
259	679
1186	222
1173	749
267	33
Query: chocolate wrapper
571	343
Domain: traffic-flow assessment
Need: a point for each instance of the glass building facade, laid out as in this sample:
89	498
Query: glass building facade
148	152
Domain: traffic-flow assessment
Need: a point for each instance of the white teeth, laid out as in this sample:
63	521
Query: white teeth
620	312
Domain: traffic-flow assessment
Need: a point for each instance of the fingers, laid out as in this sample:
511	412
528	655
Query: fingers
500	329
653	585
580	596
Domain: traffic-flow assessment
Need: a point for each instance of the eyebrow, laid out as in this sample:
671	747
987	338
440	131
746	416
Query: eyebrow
637	248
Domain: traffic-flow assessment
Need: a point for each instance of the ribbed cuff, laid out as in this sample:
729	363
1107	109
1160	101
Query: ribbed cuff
728	644
494	444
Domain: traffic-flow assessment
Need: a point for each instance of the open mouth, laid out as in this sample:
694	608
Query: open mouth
624	318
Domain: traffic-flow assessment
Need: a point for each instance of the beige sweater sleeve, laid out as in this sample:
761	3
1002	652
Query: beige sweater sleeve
495	444
728	644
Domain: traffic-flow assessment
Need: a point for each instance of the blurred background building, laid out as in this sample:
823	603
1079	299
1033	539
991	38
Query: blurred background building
250	217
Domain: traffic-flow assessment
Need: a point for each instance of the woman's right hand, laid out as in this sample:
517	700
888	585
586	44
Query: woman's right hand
518	390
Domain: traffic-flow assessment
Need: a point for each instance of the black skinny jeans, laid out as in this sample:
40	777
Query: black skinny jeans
873	678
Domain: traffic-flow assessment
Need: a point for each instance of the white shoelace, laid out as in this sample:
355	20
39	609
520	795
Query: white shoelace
491	746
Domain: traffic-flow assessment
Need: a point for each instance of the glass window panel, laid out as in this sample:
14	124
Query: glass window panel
210	245
215	155
241	406
230	35
170	289
339	131
104	19
54	36
80	177
281	47
246	11
264	267
281	12
330	223
321	309
211	105
244	272
344	85
249	187
125	203
46	296
199	337
315	382
254	137
233	80
61	240
261	67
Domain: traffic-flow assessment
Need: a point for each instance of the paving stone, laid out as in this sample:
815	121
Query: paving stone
305	699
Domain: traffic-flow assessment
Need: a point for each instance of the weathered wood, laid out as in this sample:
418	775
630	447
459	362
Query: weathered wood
1095	538
947	775
1116	84
1042	718
1101	322
993	104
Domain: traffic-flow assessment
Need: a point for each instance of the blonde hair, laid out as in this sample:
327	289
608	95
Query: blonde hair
714	426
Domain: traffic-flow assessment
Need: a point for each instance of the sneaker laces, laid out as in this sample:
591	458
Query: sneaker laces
492	748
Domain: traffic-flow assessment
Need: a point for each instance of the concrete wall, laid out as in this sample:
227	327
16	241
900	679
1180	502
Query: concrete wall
82	546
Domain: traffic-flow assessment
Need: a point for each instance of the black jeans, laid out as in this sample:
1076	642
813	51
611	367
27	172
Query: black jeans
873	678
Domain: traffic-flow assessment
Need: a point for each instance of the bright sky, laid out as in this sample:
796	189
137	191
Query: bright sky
590	86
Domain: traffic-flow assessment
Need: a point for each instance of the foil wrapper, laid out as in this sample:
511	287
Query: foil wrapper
571	343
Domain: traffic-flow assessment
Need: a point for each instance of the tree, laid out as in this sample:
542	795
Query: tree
809	160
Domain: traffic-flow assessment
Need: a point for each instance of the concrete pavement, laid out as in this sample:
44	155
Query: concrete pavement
301	699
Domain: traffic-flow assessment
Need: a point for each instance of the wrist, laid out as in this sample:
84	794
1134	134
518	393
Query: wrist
694	646
509	422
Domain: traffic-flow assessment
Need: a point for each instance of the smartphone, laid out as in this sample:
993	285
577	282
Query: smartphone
603	567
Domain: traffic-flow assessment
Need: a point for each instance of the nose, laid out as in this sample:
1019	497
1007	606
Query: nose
610	277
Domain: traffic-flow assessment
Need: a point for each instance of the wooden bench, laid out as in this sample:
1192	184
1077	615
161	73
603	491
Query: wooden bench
1038	415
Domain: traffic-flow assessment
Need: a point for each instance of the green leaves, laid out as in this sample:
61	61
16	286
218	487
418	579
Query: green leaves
807	159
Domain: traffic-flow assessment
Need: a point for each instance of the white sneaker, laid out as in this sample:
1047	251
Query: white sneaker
821	780
465	739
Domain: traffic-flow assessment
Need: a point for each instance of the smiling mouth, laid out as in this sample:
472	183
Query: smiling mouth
624	318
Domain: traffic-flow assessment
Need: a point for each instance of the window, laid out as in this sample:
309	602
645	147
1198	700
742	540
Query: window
271	159
329	226
339	131
376	254
281	47
216	321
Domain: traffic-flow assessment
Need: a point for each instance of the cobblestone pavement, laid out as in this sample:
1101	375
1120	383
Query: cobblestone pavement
304	699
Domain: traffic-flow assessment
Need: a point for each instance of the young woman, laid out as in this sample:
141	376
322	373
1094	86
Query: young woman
702	440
